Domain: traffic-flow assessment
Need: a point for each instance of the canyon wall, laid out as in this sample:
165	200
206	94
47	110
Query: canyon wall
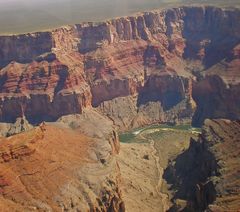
163	66
206	174
156	61
24	48
216	99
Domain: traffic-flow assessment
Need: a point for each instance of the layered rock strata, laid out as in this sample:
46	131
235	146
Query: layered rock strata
155	61
161	66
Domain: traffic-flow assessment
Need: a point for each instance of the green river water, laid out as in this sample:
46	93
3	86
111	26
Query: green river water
155	131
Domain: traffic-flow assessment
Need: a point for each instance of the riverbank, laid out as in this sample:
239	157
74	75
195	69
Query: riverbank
145	153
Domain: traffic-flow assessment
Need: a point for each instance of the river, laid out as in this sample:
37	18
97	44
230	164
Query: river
144	156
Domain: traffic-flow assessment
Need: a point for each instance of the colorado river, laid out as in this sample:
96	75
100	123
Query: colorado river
134	135
145	154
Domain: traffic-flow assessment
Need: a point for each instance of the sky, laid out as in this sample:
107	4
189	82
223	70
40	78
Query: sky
20	16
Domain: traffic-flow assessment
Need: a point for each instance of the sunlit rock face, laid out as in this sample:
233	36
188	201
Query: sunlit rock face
156	61
55	168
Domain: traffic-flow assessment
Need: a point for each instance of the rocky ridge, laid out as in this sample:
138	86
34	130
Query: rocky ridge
55	168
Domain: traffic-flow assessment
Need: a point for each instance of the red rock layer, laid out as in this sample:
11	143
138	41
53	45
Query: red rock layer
51	168
42	89
74	67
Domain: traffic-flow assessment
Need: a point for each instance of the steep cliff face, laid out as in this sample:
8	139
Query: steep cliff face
163	98
206	175
216	99
24	48
41	90
150	56
208	31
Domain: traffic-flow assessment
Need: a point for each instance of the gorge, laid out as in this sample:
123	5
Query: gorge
73	89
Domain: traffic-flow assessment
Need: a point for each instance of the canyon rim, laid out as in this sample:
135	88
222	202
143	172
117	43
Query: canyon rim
67	94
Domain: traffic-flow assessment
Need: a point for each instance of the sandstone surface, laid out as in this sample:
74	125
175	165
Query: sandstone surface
55	168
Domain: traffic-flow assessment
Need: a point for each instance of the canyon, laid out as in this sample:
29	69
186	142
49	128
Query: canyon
66	93
170	63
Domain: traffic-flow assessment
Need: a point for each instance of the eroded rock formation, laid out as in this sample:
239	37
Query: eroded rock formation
161	66
56	168
150	60
206	174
